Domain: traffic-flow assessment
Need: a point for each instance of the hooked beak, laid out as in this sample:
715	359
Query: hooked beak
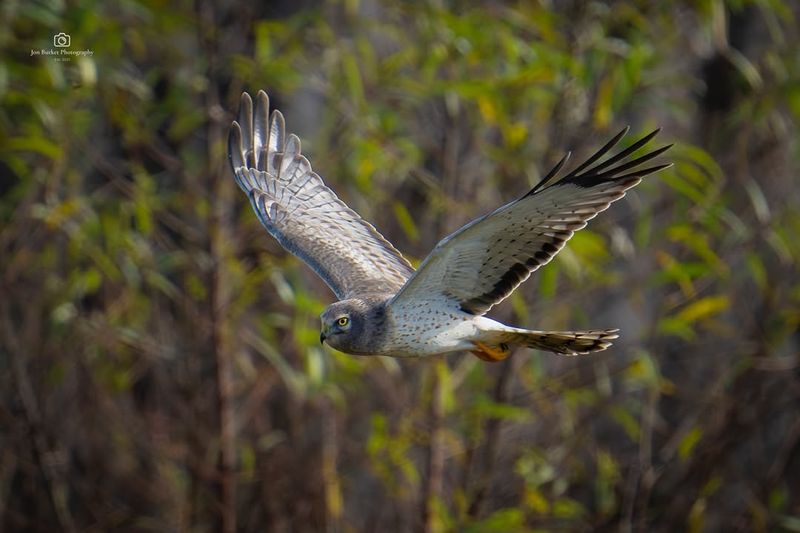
325	332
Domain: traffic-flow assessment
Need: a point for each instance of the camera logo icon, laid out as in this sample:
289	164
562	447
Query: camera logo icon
61	40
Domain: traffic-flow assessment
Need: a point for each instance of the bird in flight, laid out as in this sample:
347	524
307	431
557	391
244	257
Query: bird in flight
386	307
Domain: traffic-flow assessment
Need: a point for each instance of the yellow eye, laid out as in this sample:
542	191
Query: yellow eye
343	321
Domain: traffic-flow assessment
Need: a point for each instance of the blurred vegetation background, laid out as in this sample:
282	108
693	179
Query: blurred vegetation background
159	360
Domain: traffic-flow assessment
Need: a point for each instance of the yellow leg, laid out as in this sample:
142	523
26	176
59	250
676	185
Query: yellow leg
491	354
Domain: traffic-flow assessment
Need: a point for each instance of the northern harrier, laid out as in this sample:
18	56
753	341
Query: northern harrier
385	307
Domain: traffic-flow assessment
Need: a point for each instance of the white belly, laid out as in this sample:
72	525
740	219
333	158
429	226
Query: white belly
432	332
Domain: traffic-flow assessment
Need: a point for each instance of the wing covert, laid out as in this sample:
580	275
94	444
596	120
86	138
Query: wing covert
303	214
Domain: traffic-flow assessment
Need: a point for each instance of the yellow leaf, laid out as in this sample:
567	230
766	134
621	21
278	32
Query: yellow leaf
704	308
698	243
406	221
688	442
667	262
487	109
515	134
537	502
365	169
697	516
602	109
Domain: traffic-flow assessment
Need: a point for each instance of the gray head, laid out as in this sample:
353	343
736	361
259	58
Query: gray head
352	326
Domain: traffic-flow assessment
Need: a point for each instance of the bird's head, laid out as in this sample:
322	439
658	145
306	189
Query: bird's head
343	325
355	326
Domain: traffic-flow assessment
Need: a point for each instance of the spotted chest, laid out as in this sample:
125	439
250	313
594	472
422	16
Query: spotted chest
426	329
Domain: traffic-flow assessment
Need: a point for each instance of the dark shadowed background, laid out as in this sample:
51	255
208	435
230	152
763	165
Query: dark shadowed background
160	368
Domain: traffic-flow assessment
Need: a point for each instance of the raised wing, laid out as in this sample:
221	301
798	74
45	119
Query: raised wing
304	215
483	262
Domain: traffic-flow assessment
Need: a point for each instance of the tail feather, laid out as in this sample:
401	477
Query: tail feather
560	342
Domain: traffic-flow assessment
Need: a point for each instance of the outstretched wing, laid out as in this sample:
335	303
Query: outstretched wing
304	215
483	262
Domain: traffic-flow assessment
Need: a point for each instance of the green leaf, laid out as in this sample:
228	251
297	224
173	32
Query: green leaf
38	145
628	422
501	521
568	508
503	411
689	442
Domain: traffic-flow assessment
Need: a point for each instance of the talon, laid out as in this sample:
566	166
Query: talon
489	353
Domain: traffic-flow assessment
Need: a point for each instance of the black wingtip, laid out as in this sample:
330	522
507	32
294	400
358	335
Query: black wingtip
640	173
611	169
646	139
619	169
614	167
550	175
602	151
